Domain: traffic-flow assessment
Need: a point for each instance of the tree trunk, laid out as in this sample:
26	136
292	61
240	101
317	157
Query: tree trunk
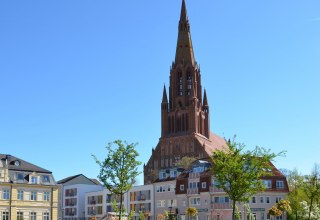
120	209
233	209
310	208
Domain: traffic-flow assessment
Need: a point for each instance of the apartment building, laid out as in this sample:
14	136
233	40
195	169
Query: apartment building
139	199
72	196
197	188
27	191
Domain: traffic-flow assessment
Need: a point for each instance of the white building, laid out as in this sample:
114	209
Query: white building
72	196
139	198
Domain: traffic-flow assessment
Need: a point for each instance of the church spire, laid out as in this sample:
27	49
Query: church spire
184	50
164	95
205	100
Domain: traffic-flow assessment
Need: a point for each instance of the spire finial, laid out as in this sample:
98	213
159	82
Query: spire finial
164	95
205	100
184	51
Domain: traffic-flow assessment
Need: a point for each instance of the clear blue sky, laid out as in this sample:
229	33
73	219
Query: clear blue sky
77	74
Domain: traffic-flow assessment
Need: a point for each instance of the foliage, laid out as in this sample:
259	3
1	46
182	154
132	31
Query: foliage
186	162
119	169
131	214
160	217
191	211
311	188
238	172
296	194
306	214
284	205
141	215
274	211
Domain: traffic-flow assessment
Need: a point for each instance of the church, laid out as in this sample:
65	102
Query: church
185	113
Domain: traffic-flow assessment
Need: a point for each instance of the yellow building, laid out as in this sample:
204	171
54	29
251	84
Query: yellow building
27	192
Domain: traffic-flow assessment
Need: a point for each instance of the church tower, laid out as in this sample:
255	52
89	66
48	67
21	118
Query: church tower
185	127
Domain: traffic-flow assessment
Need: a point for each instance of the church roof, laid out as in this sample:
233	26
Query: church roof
215	143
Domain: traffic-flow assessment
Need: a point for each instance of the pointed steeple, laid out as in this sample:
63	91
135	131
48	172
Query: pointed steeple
184	50
205	100
164	95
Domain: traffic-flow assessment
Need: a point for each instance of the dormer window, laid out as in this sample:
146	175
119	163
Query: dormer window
20	176
45	179
34	180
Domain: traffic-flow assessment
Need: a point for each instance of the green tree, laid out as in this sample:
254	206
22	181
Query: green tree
296	194
186	162
238	172
119	169
311	187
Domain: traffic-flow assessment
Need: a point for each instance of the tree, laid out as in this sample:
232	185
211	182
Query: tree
119	169
185	162
238	172
191	211
296	194
311	187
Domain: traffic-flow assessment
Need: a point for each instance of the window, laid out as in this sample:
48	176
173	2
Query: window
20	176
19	215
278	198
20	194
46	216
254	199
33	216
161	189
195	201
221	199
280	184
5	194
204	185
33	196
5	215
172	203
180	84
45	179
189	83
34	180
267	184
182	187
268	199
173	173
46	196
261	199
161	203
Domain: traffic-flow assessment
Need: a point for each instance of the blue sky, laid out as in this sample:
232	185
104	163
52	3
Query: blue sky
75	75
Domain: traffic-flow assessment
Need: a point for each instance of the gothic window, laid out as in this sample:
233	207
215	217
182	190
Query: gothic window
189	84
179	83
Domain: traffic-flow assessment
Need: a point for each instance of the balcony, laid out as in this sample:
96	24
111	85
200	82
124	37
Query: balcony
221	206
193	191
194	175
141	198
214	189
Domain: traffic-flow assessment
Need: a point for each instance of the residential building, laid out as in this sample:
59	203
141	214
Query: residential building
197	188
185	122
27	191
139	198
72	196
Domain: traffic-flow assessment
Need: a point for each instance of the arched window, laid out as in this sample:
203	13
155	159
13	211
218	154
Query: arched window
189	84
179	83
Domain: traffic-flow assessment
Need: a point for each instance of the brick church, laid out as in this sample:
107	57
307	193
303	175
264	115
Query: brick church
185	113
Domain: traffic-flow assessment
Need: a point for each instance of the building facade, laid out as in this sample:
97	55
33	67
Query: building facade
185	113
139	199
27	192
72	196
